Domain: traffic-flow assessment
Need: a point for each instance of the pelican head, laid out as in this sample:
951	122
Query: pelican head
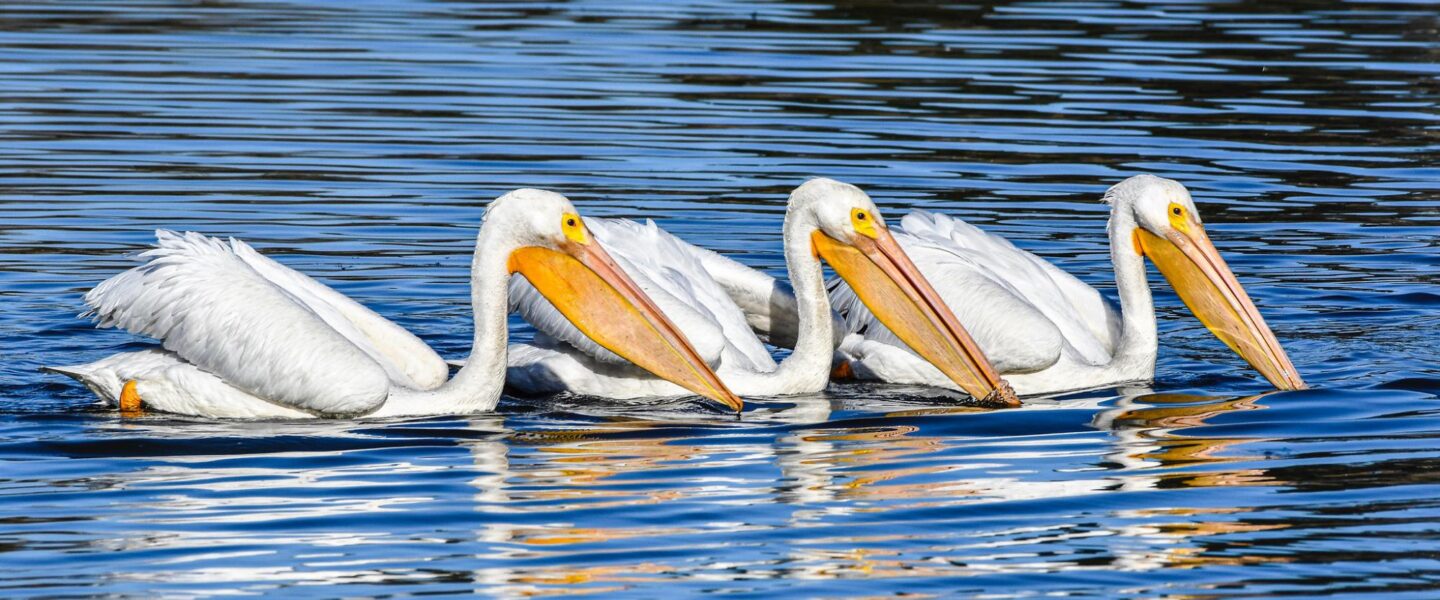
850	234
1168	231
550	246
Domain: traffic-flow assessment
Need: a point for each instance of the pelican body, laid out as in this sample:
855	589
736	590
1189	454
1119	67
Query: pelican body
1048	332
244	336
726	308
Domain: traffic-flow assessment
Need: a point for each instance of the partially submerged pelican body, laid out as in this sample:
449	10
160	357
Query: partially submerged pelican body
1048	332
244	336
730	311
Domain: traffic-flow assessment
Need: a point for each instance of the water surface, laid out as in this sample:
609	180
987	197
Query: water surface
359	141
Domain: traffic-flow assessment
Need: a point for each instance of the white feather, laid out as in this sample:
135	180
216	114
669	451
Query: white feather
214	310
1086	320
245	336
672	273
1043	329
167	383
1022	311
409	361
547	366
724	308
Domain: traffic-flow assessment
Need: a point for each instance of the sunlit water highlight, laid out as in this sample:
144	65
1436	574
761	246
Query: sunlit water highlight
358	142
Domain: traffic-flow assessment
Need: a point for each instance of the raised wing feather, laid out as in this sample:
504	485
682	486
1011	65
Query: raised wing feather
768	303
1021	310
674	275
212	308
1089	323
1012	334
407	359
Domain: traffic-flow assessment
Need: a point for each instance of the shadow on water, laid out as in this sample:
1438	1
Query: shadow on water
358	142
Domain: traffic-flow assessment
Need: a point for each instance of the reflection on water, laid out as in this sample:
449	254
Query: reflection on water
358	141
801	496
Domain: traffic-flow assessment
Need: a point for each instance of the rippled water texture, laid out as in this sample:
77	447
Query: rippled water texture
358	141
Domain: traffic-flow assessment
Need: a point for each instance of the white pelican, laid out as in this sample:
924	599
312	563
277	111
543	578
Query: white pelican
717	301
245	336
1045	330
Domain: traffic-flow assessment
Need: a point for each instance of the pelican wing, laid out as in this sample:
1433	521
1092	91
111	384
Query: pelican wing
674	275
407	359
768	303
1020	309
1088	322
263	331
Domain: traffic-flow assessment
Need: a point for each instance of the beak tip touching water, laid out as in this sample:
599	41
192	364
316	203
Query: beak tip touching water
889	284
1003	396
695	375
1207	286
586	285
1290	381
730	400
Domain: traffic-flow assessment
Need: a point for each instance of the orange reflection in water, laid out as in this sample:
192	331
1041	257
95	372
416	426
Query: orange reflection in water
830	471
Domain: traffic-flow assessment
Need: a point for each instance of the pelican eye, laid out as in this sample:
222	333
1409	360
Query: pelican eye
863	224
573	229
1177	218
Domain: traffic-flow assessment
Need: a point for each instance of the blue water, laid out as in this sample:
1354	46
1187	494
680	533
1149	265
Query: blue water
358	142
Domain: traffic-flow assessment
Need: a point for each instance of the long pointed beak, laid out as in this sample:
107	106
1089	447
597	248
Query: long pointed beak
891	286
583	282
1192	265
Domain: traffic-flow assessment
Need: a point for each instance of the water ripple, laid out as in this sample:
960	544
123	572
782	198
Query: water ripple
358	142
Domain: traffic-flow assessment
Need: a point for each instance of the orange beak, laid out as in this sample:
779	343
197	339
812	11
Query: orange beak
583	282
892	287
1192	265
